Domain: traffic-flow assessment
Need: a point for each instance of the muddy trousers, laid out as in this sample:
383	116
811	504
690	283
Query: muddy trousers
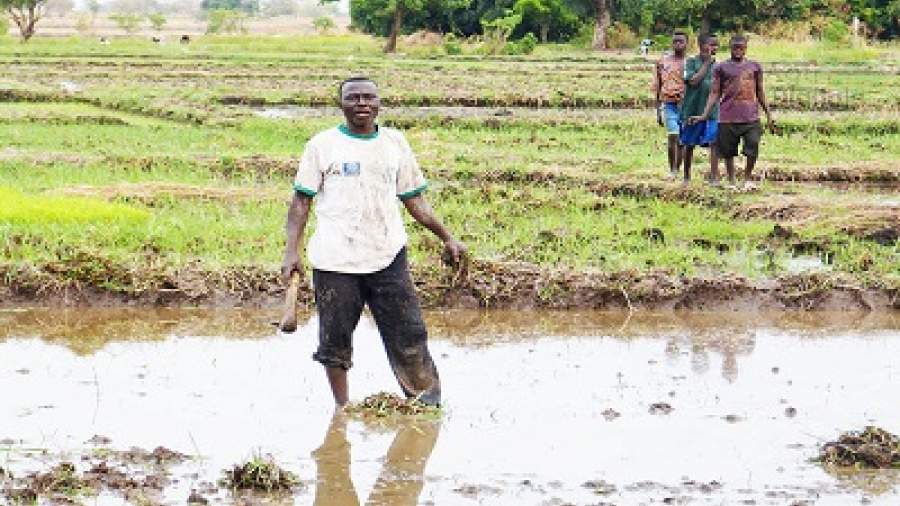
392	300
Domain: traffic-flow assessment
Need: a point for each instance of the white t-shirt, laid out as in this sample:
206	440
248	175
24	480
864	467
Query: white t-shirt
357	182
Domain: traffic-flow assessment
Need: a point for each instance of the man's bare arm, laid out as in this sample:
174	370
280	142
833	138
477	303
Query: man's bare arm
421	211
297	217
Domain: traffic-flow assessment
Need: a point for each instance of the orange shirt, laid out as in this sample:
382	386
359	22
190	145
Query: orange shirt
670	72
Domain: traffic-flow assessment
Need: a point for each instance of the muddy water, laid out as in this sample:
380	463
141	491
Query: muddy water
541	408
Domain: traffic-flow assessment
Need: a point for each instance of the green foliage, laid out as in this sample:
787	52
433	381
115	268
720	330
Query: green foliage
157	20
219	21
4	26
324	24
498	30
130	23
452	45
836	32
620	36
250	7
84	23
525	45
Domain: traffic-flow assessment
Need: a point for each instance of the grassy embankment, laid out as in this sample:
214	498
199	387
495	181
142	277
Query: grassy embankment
561	167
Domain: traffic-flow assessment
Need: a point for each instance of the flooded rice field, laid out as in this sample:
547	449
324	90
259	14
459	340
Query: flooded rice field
540	408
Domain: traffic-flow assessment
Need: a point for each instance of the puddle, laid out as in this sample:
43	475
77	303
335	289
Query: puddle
541	408
804	263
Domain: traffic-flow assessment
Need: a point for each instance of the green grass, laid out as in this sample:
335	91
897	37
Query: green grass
22	210
517	184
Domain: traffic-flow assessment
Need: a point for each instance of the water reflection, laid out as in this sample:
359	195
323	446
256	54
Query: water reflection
401	479
698	345
87	330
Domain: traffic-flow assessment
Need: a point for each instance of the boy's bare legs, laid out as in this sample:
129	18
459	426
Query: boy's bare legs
729	170
674	150
748	170
713	165
687	160
337	380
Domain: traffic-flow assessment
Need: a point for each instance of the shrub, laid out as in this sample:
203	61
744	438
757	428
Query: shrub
324	24
836	32
620	36
452	45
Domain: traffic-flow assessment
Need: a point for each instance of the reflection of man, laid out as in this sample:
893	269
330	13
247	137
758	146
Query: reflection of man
402	474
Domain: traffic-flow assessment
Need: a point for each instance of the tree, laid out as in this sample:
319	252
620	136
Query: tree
26	14
386	17
498	30
130	23
250	7
397	8
93	6
157	20
225	21
548	18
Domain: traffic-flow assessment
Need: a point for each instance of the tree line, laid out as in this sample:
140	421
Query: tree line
602	23
605	21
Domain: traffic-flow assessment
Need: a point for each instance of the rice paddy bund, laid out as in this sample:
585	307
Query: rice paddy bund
160	174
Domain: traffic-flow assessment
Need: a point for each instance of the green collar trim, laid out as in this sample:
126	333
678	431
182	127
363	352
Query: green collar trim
346	131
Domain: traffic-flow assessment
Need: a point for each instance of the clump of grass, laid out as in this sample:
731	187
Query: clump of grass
385	405
62	478
871	448
31	209
261	473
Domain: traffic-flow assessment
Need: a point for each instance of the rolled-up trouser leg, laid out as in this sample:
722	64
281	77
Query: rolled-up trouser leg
339	304
394	304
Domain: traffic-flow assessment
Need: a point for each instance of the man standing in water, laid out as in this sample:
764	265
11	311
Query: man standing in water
357	172
698	81
668	84
739	83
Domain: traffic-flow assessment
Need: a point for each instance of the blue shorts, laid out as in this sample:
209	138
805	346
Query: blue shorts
703	133
672	117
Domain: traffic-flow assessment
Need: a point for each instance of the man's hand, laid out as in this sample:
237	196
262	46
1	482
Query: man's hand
456	256
693	120
291	264
659	114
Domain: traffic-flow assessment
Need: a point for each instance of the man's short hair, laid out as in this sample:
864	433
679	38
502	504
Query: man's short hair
680	32
704	37
354	79
738	39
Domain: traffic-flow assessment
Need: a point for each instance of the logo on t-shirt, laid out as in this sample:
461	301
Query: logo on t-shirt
350	168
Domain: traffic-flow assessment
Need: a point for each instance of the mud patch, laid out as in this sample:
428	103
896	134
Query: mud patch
135	475
488	284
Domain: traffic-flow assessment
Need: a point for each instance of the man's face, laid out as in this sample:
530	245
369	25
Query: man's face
738	49
360	104
679	43
711	46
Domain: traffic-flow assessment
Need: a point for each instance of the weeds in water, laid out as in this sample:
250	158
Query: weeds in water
386	405
870	448
261	473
